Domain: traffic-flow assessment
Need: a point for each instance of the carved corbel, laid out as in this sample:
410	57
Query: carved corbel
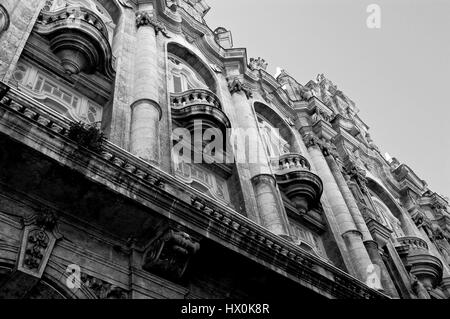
39	237
169	254
236	86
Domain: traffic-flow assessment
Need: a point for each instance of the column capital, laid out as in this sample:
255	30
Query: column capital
326	146
235	85
145	18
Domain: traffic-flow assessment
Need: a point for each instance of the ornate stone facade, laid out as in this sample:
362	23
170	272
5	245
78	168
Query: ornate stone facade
94	202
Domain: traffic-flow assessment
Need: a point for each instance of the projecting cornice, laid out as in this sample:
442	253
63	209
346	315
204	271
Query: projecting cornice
165	196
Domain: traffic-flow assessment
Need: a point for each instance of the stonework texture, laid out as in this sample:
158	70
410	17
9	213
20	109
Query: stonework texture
321	213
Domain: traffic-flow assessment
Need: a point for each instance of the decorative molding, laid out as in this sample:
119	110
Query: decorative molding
145	18
246	236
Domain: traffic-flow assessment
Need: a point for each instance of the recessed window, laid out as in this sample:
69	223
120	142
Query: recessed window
62	98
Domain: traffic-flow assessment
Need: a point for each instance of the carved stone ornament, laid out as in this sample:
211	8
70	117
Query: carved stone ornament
4	19
103	289
169	254
236	86
327	147
145	18
39	238
257	64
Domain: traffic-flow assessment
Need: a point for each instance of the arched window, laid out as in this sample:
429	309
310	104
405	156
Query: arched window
182	77
274	143
387	218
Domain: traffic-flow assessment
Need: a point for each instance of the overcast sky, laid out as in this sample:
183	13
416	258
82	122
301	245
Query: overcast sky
398	75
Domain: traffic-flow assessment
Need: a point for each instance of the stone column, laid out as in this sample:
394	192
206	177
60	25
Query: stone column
17	19
370	244
347	227
146	111
271	211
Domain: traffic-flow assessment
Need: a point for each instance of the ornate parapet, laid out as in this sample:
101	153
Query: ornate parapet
169	254
258	64
193	97
79	38
199	104
294	176
426	267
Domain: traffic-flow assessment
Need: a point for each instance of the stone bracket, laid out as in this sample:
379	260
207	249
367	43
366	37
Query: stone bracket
170	252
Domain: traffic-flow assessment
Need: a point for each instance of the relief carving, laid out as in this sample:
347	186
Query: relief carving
169	254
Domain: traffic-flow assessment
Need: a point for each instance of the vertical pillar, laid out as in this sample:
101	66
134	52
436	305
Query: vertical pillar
145	109
369	243
17	19
348	230
271	211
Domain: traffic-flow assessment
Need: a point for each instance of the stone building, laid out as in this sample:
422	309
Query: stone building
95	202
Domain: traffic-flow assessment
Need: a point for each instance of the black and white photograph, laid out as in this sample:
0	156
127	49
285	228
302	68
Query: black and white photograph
231	157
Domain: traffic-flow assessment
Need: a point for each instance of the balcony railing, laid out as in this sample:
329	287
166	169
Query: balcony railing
290	162
414	243
73	15
283	254
194	97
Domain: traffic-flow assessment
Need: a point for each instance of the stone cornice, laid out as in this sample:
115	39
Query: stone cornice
198	210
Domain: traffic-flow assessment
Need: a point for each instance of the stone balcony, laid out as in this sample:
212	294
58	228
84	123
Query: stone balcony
79	38
426	267
31	128
199	105
294	176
